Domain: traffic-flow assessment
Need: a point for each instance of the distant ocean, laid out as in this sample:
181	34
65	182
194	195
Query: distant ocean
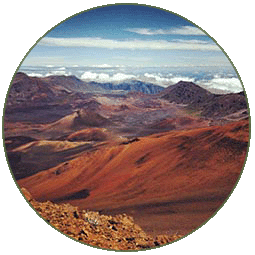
216	79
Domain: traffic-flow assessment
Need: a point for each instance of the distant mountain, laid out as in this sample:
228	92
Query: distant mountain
199	99
186	93
133	85
72	83
26	92
25	89
69	91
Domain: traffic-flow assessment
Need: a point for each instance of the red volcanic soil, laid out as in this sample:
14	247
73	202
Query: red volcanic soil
169	182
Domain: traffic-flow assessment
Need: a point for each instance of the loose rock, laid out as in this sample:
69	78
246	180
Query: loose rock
111	232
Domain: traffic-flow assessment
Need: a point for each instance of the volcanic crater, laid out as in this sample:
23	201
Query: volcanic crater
168	159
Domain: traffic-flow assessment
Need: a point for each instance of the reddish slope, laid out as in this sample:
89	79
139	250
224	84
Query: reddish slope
169	182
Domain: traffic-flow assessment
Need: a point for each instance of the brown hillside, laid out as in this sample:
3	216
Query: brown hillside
168	182
199	99
71	83
36	156
26	91
77	120
89	134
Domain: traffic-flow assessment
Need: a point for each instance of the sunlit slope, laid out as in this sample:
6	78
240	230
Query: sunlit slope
165	177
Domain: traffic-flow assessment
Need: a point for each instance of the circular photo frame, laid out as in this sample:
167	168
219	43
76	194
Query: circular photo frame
126	127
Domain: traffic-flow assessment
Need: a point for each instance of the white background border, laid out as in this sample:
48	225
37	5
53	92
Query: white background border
231	24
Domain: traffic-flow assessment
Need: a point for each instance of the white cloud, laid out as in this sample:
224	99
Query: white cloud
130	44
58	72
156	78
166	80
180	78
184	30
190	41
144	31
89	76
35	75
122	76
228	84
146	77
103	66
103	77
188	30
120	66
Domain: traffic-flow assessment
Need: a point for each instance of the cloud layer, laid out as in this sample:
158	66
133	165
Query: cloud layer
165	81
147	77
231	84
129	44
104	77
221	81
184	30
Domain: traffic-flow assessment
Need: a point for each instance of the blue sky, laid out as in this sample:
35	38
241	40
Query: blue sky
126	35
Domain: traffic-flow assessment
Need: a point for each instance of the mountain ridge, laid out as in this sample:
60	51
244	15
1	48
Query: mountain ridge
203	101
133	85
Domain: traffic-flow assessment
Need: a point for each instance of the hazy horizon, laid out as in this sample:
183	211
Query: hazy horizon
216	78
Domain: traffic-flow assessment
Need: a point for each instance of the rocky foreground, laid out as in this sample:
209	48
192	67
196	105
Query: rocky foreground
117	232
